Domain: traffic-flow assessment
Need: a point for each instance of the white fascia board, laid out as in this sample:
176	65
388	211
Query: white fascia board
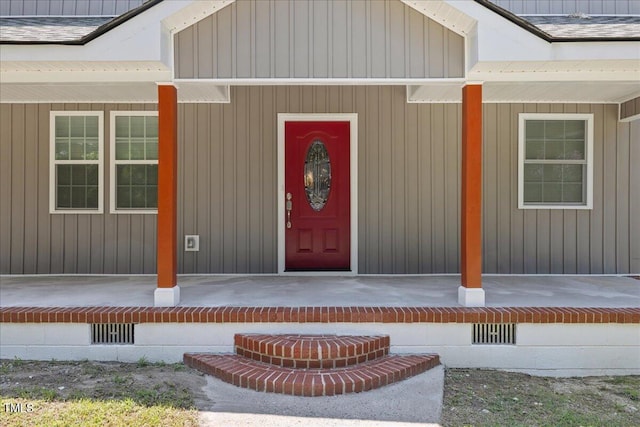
194	12
501	40
138	39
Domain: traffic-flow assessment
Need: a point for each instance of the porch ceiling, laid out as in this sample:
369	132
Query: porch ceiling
129	92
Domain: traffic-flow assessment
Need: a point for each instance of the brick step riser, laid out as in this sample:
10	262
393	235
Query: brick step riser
329	363
261	377
311	351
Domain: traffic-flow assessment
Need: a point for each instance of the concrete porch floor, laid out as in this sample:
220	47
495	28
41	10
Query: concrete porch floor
301	291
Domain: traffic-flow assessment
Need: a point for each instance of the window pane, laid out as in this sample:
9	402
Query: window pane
122	150
532	193
123	198
535	150
63	174
151	150
152	126
77	149
137	127
572	173
92	174
62	150
78	175
77	126
152	174
574	150
138	195
554	150
91	150
547	183
572	193
62	126
123	174
79	197
91	126
554	129
92	197
136	186
63	199
534	129
533	173
138	174
137	150
152	196
122	127
552	173
574	129
552	192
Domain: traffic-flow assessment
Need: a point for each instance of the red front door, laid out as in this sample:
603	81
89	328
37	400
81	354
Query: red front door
317	192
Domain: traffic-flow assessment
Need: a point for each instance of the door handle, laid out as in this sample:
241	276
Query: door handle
289	206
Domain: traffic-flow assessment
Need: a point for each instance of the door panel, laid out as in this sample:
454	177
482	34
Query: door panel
317	184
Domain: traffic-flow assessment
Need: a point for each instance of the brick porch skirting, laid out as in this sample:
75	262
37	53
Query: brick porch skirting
318	315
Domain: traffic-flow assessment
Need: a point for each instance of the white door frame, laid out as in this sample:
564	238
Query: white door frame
352	118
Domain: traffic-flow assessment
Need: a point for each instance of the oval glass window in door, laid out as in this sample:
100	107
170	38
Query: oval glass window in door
317	175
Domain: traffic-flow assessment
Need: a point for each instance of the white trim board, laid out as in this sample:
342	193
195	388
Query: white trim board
352	118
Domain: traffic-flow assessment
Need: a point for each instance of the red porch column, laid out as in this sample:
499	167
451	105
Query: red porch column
471	294
167	294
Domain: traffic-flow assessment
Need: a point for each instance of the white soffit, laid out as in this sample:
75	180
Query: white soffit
202	92
140	92
528	92
80	71
593	70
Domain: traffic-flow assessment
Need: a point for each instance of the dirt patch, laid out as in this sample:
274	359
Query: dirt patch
471	397
478	397
148	384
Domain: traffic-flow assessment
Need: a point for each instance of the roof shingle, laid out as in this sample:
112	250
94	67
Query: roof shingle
48	29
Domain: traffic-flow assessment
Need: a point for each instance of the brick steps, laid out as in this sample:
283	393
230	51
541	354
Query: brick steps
311	365
311	351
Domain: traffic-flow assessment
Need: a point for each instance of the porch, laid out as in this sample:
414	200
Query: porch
319	291
550	325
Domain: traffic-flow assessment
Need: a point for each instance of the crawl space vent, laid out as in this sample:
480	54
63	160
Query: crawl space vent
494	333
112	333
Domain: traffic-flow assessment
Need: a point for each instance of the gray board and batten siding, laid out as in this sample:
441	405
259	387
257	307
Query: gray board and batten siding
408	178
318	39
67	7
630	108
568	7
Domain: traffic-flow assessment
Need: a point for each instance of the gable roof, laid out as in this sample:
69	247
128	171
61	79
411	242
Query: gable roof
575	27
50	29
68	30
585	26
79	30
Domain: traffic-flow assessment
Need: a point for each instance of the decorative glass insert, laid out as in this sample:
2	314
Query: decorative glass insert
555	162
76	163
135	161
317	175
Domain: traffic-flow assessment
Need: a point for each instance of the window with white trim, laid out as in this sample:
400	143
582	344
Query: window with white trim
134	162
555	153
76	153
